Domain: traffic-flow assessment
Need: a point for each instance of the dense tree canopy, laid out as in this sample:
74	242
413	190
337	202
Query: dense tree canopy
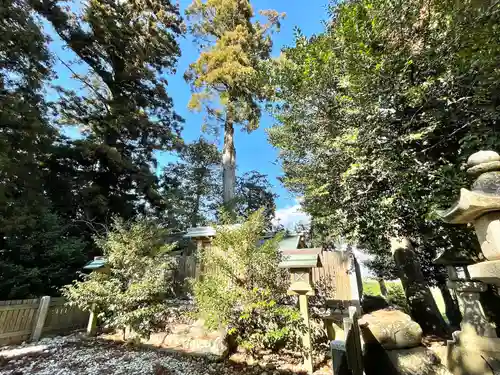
38	253
123	108
377	114
56	191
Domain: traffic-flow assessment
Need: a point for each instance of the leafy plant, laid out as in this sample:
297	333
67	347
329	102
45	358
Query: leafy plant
132	292
264	324
242	287
397	298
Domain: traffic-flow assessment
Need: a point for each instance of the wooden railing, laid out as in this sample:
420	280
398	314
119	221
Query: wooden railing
28	319
349	350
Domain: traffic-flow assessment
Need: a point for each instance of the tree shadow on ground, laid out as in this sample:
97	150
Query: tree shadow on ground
229	365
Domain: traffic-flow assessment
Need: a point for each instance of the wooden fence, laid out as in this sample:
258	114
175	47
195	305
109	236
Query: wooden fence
336	270
185	267
335	266
349	352
28	319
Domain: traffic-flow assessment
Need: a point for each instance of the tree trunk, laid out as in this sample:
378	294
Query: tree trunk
451	305
383	288
196	208
423	308
229	161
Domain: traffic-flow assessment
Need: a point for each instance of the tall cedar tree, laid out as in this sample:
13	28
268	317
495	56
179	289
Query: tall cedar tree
123	108
227	79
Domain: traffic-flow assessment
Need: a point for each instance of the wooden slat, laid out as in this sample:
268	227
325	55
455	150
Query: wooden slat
14	334
12	320
17	319
335	270
19	307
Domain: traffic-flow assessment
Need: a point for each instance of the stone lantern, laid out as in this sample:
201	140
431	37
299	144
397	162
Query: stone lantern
300	264
476	348
465	290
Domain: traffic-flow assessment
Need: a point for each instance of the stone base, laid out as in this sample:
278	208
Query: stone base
192	338
469	354
487	272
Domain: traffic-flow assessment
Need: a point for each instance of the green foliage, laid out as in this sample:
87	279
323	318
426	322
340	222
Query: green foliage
254	192
132	293
38	256
121	108
233	49
55	192
190	187
39	251
227	79
264	324
242	286
397	298
376	116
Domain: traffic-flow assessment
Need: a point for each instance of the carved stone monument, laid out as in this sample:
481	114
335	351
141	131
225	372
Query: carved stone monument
475	349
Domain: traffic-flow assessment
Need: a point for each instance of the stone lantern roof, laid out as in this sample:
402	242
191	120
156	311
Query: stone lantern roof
455	257
484	196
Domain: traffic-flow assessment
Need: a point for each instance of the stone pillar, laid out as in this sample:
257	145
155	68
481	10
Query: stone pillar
92	323
422	305
475	350
474	320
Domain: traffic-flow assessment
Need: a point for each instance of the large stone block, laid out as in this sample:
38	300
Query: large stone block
420	360
488	272
392	329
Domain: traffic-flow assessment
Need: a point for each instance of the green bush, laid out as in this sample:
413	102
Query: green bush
132	294
396	297
242	287
371	288
264	324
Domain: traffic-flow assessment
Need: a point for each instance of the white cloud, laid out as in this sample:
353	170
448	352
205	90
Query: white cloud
290	216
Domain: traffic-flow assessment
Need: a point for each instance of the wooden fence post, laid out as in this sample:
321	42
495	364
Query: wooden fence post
43	308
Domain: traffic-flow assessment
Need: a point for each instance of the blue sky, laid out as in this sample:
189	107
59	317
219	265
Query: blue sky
253	151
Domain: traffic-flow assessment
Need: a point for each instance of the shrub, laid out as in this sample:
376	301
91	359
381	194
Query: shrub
242	287
264	324
396	297
132	293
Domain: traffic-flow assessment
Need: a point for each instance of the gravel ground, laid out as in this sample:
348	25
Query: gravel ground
75	355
